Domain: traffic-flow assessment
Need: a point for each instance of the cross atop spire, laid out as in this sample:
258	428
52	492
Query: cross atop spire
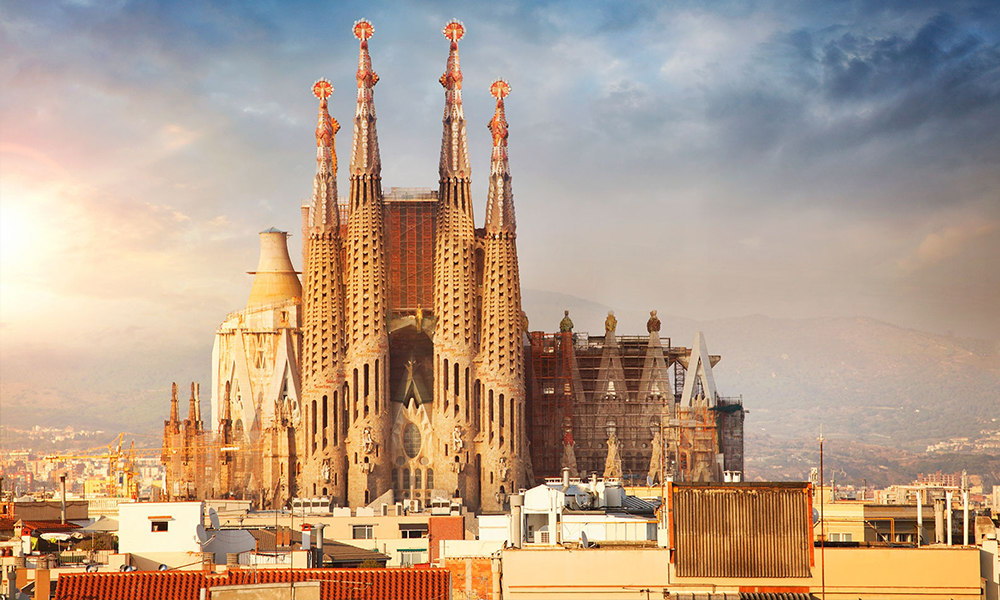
500	205
325	215
364	155
454	146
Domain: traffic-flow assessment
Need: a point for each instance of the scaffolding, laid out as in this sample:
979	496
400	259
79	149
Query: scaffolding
587	387
410	227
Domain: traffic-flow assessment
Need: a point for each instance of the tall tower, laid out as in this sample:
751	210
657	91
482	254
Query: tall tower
454	292
501	353
172	455
366	407
320	431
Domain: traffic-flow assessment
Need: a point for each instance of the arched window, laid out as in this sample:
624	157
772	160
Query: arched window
406	478
430	479
416	479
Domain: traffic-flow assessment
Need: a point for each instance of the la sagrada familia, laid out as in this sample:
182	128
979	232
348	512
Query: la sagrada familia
397	363
399	368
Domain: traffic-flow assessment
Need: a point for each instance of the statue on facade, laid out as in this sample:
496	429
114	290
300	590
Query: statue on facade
566	325
503	469
325	470
653	324
613	463
456	437
569	454
655	473
610	323
367	443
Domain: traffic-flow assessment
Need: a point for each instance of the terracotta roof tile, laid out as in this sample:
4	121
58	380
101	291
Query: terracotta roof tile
361	584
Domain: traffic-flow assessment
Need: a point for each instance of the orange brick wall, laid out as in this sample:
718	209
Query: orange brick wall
450	527
482	577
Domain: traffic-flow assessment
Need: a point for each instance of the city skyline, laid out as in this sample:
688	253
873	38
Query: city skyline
793	160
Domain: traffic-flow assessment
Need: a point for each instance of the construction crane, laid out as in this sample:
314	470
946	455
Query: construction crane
121	480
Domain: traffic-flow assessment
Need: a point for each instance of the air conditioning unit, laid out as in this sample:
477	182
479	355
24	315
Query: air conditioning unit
543	537
414	505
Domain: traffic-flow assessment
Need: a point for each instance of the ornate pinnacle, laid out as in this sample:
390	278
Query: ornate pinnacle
454	146
500	205
500	89
364	154
363	30
324	208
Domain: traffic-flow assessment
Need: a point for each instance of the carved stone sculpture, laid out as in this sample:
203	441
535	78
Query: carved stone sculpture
566	325
653	324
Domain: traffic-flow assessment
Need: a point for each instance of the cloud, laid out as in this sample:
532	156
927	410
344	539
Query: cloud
945	243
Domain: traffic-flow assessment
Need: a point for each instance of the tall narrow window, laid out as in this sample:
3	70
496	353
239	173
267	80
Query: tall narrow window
500	410
325	413
444	387
355	394
313	437
513	424
336	412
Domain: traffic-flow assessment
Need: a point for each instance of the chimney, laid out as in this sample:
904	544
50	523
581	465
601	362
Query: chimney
565	478
939	521
62	508
516	502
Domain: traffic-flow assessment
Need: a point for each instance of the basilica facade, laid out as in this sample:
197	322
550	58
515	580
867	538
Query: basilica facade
397	361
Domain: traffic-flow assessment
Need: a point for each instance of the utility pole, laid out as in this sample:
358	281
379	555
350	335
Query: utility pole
822	520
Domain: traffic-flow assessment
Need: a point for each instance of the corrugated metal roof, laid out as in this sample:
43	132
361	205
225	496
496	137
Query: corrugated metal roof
741	529
637	505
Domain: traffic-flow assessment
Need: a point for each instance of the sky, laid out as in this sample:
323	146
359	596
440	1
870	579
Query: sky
708	159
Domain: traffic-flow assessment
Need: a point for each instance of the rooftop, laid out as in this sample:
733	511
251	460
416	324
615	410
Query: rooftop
363	584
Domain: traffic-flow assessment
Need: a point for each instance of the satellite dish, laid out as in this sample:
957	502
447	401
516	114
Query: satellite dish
649	481
163	568
584	543
213	516
91	568
815	516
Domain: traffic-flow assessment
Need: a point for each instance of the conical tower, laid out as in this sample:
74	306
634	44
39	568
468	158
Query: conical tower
366	299
454	291
275	279
501	355
320	432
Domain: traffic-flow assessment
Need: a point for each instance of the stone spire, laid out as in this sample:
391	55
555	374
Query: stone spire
454	147
364	153
501	352
174	413
323	337
324	214
366	300
500	206
454	290
194	410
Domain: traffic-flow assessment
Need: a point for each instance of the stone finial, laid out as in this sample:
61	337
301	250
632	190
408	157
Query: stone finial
566	325
653	324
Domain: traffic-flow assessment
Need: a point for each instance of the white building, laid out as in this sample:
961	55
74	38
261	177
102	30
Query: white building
571	510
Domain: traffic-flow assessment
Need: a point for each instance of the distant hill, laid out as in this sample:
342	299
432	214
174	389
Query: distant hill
861	379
